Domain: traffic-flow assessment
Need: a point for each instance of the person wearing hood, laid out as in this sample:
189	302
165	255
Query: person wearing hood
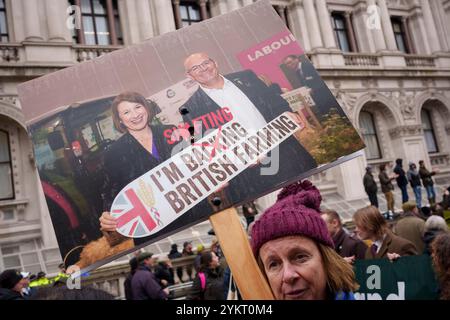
414	179
402	181
11	285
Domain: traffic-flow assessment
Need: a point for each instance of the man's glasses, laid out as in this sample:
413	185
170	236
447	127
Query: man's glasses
202	66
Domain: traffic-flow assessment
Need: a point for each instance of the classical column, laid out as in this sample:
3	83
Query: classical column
409	43
377	32
351	32
56	18
145	19
232	5
387	26
31	16
442	26
313	25
166	20
430	27
325	24
302	33
176	10
364	37
111	24
281	13
222	6
203	11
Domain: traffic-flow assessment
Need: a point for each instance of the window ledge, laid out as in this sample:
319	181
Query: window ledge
14	202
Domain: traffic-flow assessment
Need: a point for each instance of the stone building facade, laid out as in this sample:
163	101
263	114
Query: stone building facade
386	61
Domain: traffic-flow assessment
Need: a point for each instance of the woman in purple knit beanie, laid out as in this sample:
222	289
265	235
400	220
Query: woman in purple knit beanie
295	251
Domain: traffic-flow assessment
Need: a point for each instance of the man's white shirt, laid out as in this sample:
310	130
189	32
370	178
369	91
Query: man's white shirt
242	109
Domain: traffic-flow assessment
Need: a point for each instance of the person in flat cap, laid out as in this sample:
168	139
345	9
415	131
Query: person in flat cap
11	285
144	285
295	251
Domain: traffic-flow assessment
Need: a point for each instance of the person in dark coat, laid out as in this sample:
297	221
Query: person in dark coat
428	183
416	185
164	273
370	186
244	97
370	225
346	245
446	199
301	73
249	211
402	181
213	286
144	284
11	285
127	284
175	254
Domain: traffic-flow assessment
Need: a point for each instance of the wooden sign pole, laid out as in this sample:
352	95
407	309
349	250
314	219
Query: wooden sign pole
236	248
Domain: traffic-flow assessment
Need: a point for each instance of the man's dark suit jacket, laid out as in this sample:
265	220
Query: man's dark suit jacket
294	159
307	76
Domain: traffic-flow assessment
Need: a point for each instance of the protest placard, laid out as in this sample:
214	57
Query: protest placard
408	278
228	109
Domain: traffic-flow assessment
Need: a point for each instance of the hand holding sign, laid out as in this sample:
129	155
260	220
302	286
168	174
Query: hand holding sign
192	175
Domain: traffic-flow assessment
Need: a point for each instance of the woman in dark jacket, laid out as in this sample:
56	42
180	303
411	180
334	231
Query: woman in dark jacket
141	148
212	287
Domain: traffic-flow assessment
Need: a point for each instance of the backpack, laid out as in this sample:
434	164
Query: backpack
202	277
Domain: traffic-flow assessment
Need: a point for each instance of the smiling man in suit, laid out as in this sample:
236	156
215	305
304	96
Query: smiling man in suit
251	103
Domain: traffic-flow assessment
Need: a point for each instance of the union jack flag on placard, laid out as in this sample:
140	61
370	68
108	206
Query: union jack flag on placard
133	218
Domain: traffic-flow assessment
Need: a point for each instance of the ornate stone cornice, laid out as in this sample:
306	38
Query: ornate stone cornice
406	131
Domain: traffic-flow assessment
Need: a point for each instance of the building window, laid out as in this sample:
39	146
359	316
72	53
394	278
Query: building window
400	35
3	23
21	256
189	12
370	137
100	23
341	32
428	131
6	176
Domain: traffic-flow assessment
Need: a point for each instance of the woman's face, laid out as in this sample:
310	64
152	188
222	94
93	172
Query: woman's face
215	261
133	115
294	268
362	232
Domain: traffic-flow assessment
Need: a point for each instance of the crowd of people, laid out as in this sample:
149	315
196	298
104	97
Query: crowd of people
304	251
416	178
